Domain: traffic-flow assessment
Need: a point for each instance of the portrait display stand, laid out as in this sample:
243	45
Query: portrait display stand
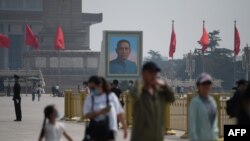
121	55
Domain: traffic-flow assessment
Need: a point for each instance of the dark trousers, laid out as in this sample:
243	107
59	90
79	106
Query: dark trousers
18	109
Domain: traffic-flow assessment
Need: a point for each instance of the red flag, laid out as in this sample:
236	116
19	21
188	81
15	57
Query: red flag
172	43
59	42
31	39
204	41
4	41
236	41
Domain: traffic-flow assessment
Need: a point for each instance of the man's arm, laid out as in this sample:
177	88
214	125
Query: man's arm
168	93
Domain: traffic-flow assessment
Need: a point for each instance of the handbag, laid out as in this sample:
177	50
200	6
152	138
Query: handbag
98	130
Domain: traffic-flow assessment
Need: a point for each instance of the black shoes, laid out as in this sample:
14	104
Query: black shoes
17	120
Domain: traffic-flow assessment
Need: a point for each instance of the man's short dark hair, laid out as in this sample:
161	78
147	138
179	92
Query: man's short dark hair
241	82
85	83
115	82
122	41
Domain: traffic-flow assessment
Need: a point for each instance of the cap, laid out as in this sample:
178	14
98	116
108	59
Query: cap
150	66
204	77
241	82
16	76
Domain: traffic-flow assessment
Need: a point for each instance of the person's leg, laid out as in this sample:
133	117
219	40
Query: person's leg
15	105
19	113
20	109
33	96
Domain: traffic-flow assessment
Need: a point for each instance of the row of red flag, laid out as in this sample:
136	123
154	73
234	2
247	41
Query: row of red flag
204	41
32	41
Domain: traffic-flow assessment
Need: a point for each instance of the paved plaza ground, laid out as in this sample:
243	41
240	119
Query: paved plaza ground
29	128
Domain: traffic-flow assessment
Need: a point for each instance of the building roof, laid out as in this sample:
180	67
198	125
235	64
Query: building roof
36	16
22	16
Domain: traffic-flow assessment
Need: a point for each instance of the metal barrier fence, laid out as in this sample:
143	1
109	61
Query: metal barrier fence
176	113
73	105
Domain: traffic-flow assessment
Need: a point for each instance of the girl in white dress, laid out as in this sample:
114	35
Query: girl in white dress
51	129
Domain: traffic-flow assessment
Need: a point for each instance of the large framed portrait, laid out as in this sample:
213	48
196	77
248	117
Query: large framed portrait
123	53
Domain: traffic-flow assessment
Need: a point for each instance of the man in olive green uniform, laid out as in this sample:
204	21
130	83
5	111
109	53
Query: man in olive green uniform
149	102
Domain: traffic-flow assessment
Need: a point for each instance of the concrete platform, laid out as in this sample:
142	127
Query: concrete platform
29	128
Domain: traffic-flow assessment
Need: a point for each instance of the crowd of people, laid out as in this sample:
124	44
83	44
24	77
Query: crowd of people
103	106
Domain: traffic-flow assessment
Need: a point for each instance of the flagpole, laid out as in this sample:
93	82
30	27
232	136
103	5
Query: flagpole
28	60
172	57
203	58
234	53
59	68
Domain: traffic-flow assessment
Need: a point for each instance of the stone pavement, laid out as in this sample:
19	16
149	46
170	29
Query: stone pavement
29	128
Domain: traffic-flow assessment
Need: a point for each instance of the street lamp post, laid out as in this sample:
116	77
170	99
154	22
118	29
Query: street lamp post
190	64
246	60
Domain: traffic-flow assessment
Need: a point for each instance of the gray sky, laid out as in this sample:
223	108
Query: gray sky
154	18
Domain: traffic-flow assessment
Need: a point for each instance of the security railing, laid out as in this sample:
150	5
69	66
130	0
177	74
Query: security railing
176	113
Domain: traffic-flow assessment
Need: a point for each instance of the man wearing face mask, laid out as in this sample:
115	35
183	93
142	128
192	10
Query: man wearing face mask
149	101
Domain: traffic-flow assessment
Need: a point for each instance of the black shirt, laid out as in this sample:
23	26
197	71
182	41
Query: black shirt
17	91
117	91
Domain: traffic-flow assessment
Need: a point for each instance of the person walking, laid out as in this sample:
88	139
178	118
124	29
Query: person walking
243	114
233	104
118	92
51	129
39	91
8	90
149	102
85	87
203	124
103	108
17	99
34	91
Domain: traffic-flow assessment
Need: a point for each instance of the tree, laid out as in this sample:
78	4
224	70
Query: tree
214	39
154	56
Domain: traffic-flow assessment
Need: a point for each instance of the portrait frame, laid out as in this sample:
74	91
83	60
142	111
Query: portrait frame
135	56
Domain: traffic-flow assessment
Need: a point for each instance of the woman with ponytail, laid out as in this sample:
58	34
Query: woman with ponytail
103	109
52	130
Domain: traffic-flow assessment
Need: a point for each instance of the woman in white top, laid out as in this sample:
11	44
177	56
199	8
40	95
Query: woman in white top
52	130
96	108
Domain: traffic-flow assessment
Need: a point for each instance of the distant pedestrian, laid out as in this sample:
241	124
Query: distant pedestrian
86	88
130	84
243	114
8	90
17	99
51	129
53	90
103	108
203	124
34	91
39	91
149	103
234	102
118	92
178	88
57	90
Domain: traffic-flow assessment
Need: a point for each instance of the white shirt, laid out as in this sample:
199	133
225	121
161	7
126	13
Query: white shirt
100	103
54	132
